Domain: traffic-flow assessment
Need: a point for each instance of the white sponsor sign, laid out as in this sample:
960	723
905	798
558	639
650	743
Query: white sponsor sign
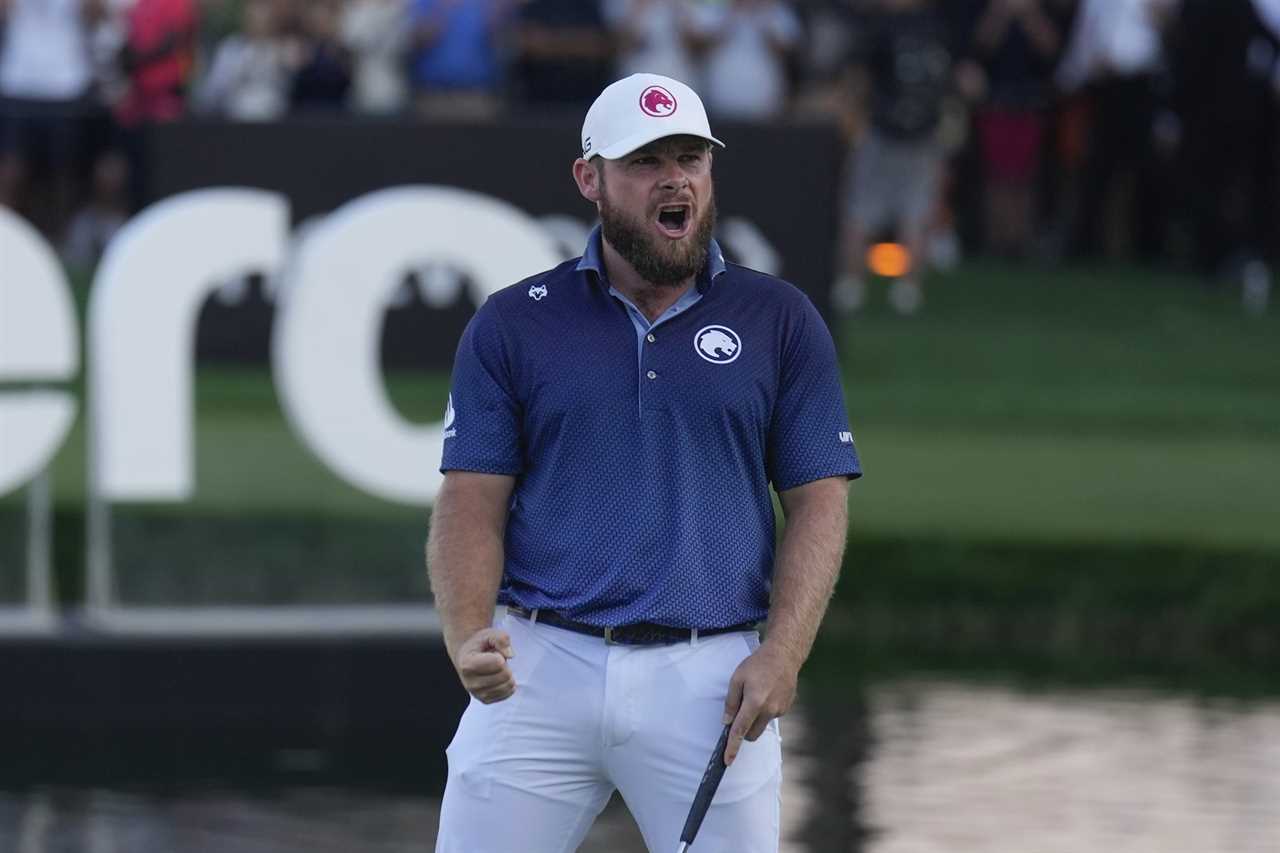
337	279
38	343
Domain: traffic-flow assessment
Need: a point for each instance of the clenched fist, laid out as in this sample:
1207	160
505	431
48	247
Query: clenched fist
482	665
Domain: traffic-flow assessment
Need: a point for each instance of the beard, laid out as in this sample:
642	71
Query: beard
661	262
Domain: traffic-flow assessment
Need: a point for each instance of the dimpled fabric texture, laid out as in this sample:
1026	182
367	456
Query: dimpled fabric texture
642	491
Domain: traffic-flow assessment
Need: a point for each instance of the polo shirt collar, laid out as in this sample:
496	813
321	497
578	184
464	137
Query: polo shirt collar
593	259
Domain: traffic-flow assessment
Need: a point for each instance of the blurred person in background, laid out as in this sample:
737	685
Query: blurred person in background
653	36
376	33
745	47
456	67
248	79
104	213
1226	58
819	64
320	62
563	53
46	92
1115	50
1017	44
902	61
109	179
159	60
107	38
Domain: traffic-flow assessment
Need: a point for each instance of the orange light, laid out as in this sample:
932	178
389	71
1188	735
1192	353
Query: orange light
889	260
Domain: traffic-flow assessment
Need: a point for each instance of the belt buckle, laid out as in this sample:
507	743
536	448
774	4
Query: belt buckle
608	637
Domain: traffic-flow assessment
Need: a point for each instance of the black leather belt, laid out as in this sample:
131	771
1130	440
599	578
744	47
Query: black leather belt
637	634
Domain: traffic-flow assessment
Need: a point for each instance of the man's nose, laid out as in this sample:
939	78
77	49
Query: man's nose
674	178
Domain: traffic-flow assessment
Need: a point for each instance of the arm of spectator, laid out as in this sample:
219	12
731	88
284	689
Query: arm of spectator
1039	27
993	25
970	81
854	97
783	30
1081	59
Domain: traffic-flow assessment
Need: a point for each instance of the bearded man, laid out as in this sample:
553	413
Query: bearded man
616	425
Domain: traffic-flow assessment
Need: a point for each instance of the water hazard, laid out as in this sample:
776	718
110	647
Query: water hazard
902	766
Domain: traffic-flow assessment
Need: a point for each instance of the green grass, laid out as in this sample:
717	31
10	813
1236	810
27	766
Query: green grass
1067	352
1044	488
1068	406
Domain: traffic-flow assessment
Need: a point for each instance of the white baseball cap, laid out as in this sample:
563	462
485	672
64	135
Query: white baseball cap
638	109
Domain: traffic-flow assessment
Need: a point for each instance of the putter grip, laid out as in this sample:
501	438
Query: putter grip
706	790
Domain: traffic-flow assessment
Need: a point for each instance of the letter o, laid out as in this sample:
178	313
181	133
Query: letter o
325	345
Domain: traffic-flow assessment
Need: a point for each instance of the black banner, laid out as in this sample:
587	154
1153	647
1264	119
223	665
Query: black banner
777	189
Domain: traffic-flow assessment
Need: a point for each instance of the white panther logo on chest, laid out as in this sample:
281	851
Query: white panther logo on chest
717	344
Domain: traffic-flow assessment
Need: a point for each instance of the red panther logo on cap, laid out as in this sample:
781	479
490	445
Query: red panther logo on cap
657	102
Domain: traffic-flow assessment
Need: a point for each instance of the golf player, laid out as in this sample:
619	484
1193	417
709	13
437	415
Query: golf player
614	427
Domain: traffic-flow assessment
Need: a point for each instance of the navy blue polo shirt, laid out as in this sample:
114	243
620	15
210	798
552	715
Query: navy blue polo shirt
642	484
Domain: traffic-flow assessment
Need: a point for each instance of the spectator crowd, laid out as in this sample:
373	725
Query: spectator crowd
1024	128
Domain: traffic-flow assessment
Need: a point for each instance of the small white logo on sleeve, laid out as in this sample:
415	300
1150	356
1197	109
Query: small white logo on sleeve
846	437
449	431
537	292
717	344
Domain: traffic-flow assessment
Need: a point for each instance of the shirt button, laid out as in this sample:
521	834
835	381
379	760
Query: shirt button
650	338
652	375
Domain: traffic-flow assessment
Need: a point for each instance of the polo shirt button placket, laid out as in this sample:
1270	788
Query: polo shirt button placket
652	375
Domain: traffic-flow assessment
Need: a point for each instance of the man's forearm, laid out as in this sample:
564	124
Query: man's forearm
464	562
807	566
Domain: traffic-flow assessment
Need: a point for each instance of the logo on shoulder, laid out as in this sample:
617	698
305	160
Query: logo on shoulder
537	292
718	344
449	415
846	437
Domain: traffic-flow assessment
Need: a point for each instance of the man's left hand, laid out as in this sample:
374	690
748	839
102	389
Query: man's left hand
762	688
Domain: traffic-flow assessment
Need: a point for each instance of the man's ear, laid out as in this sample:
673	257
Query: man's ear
586	175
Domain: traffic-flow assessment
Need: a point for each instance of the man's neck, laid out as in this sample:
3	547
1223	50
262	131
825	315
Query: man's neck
650	298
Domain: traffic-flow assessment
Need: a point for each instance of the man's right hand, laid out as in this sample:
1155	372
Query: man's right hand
482	665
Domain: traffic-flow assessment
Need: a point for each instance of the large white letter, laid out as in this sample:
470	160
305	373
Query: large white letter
325	346
142	320
39	342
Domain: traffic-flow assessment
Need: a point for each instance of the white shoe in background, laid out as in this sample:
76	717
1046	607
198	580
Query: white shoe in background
906	295
1256	287
848	294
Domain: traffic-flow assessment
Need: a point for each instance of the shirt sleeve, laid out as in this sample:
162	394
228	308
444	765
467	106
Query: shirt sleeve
809	437
482	424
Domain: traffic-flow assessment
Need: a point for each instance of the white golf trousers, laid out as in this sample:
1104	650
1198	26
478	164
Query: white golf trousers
530	774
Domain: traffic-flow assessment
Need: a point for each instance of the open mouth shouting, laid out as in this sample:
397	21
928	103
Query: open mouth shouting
675	220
